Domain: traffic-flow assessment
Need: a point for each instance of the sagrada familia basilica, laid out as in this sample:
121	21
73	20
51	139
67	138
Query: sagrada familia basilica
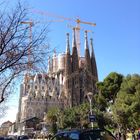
68	79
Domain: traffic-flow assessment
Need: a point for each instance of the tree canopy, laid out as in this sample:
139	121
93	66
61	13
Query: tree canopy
107	90
110	85
123	112
126	109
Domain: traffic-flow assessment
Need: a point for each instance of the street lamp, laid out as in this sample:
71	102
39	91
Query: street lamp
90	96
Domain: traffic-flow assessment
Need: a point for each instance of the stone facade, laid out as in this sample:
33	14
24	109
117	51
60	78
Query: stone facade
4	128
68	80
38	93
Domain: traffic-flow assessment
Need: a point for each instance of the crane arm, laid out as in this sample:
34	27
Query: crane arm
78	21
27	22
50	14
84	22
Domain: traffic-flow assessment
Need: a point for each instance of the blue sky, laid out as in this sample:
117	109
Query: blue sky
116	36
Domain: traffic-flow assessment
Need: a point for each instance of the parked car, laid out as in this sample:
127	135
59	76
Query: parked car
1	138
23	137
10	138
91	134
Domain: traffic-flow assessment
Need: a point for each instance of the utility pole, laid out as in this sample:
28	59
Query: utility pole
90	96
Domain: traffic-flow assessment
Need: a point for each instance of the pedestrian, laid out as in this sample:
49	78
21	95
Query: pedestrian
138	136
128	135
117	136
133	134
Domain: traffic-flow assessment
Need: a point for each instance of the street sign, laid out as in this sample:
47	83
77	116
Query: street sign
92	118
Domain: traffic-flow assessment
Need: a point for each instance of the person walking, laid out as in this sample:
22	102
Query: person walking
133	134
138	136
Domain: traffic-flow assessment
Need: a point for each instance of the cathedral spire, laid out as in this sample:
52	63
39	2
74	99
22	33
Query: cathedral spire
91	47
54	53
86	40
68	71
74	38
93	61
68	57
67	44
87	54
75	61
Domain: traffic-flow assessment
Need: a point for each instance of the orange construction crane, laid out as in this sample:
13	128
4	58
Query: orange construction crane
78	28
30	23
78	22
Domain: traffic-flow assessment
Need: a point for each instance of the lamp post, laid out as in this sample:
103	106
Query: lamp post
89	96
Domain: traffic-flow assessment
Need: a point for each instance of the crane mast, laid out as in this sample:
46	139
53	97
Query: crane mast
77	33
77	28
30	23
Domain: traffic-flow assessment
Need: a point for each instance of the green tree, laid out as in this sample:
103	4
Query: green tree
52	118
103	117
83	112
69	118
110	86
75	117
107	91
126	109
100	102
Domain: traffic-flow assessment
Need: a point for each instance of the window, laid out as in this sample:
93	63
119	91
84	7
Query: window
42	87
28	86
35	87
74	136
96	135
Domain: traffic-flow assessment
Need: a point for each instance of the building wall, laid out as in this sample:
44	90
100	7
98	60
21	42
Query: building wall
5	128
38	94
58	88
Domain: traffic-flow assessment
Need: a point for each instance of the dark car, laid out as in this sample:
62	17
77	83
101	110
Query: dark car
9	138
1	138
23	137
92	134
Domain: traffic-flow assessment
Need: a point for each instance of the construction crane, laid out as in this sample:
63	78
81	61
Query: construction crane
30	24
77	28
